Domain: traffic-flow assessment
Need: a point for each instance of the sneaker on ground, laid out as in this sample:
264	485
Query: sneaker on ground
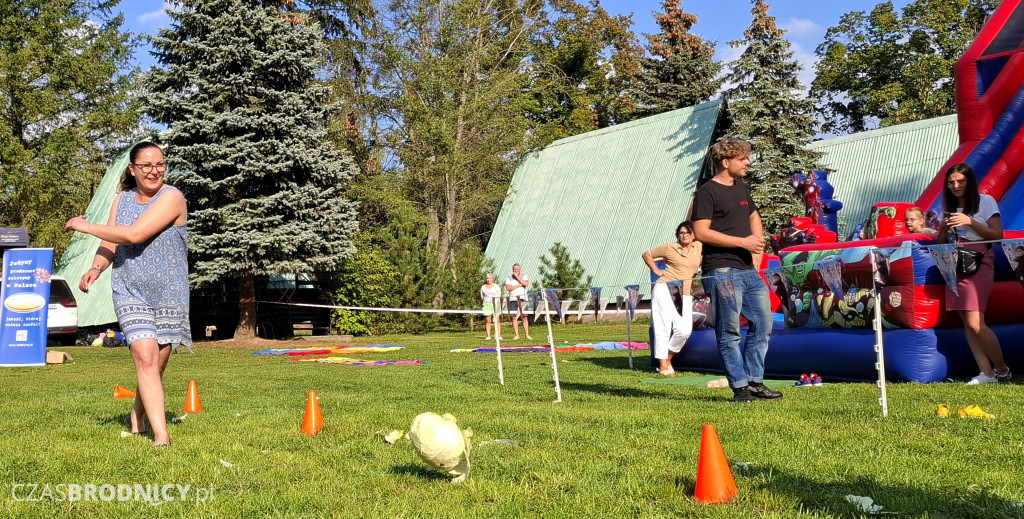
762	391
1004	377
742	394
815	379
982	378
942	411
804	381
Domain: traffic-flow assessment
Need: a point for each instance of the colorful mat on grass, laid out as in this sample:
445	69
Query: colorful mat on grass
702	381
298	352
606	345
346	361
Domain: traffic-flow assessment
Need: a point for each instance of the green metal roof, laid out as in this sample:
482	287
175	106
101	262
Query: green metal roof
96	307
892	164
607	196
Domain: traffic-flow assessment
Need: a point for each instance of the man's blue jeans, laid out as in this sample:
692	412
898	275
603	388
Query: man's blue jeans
750	297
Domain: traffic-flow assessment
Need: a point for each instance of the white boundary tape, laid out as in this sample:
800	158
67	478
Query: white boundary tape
637	311
407	310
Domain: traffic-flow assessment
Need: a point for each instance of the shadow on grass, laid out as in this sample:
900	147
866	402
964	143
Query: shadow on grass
121	420
641	362
419	471
905	500
648	391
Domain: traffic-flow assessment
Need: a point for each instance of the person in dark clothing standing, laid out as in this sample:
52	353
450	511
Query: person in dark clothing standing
726	221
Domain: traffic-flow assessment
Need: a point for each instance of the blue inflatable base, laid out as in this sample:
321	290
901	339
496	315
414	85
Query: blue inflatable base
930	355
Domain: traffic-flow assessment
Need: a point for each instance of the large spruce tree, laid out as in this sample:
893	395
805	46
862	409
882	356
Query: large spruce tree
246	124
680	71
770	108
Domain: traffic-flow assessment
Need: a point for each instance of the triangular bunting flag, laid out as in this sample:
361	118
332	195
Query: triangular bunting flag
633	297
944	255
675	289
1014	250
831	271
595	296
726	288
552	297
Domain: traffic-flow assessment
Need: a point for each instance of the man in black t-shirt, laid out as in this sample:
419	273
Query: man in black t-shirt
726	221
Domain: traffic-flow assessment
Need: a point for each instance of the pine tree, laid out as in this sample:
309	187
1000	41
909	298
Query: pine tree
769	108
680	71
565	274
247	124
65	84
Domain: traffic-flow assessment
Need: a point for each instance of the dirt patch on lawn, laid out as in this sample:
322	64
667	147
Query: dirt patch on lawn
306	341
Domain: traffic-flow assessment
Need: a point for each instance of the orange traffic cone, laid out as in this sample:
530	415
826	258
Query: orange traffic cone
312	421
192	403
714	478
123	392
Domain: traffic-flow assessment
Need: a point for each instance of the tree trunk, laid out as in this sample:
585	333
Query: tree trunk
246	308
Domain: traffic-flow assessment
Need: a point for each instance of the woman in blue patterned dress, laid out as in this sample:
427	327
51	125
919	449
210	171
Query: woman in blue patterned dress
145	242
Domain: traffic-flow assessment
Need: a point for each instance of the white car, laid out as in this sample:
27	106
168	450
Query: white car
62	316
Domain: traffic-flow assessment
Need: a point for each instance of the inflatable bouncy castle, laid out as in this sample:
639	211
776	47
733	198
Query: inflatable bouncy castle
822	289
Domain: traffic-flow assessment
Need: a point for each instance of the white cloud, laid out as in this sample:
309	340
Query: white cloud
799	27
155	15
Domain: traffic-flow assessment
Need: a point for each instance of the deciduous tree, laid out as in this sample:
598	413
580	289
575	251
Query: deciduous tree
65	110
887	67
450	86
584	61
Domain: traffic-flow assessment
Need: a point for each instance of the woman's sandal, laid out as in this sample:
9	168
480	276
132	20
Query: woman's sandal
667	372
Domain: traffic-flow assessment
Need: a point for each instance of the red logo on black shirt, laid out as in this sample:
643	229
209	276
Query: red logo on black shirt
743	202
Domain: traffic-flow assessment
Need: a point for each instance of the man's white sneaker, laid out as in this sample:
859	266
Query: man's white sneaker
982	378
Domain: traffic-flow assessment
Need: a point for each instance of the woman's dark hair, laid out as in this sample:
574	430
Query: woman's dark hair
127	180
686	223
972	200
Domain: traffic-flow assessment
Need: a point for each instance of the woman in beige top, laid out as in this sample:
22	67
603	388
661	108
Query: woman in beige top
682	259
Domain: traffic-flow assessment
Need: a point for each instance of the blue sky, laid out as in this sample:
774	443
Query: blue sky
719	20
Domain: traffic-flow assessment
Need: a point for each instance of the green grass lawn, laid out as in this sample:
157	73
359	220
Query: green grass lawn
615	447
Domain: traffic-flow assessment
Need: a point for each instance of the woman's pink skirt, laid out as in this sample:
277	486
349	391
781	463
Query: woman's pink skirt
974	290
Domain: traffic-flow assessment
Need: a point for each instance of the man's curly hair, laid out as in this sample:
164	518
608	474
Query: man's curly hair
729	148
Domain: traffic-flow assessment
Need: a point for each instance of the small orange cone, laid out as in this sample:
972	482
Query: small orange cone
192	403
312	421
714	478
123	392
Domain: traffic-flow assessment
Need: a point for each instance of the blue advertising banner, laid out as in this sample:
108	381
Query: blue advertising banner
25	295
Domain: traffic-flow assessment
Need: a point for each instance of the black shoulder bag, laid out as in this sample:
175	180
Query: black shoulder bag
968	261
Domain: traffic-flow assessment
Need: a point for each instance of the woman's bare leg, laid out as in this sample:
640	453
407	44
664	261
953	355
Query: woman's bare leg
150	361
984	344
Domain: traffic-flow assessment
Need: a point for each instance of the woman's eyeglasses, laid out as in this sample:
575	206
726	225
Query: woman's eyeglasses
148	168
